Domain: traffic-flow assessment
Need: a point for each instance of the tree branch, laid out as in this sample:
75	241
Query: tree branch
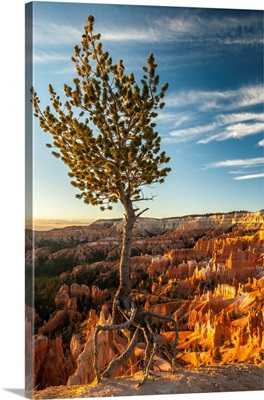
141	212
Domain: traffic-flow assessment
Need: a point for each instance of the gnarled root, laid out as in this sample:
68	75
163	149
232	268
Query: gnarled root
124	356
148	341
109	328
136	321
169	318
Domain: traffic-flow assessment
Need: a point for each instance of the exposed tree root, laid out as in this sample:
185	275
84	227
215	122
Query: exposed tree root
124	356
148	340
109	328
135	322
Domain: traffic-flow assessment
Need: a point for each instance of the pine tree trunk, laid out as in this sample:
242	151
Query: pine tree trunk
124	266
124	288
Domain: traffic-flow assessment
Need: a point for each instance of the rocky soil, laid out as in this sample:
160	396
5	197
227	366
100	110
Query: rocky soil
224	378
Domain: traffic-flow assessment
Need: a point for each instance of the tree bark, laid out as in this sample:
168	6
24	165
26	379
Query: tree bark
121	298
124	266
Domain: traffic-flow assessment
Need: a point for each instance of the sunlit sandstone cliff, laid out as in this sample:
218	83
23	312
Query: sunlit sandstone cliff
206	271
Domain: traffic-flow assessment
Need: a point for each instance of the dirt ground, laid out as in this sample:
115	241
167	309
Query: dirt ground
231	378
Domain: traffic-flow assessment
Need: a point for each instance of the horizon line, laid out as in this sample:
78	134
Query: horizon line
45	224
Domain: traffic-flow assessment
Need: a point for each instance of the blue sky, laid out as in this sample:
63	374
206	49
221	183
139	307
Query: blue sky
213	122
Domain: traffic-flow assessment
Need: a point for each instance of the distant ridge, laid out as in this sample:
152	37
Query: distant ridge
50	224
160	224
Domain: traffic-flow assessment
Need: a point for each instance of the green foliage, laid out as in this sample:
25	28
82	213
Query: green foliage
66	328
45	290
53	267
56	245
85	277
111	282
117	162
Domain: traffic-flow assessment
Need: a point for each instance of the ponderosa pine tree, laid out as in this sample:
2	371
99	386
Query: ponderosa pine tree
105	134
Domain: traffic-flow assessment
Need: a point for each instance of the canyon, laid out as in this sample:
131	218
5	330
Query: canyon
207	271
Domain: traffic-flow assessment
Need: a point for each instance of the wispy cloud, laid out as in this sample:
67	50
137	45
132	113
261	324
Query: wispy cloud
206	100
196	98
253	167
44	57
251	176
246	162
174	119
261	143
248	96
223	29
131	34
245	42
165	116
188	27
236	131
190	133
47	33
241	171
216	107
239	117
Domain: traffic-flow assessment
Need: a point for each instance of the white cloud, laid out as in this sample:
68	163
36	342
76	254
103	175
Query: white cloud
195	27
180	120
184	27
174	118
164	116
238	172
46	33
246	162
44	57
248	96
196	98
190	133
261	143
215	99
132	34
238	117
235	131
243	164
224	125
191	28
251	176
245	42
